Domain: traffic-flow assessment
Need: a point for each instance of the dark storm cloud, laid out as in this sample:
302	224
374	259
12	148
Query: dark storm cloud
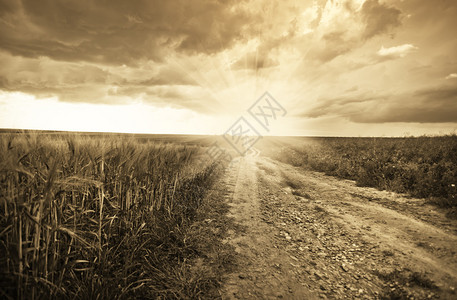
375	18
117	32
76	82
166	76
365	61
263	56
47	76
333	44
434	105
255	61
338	106
190	97
379	18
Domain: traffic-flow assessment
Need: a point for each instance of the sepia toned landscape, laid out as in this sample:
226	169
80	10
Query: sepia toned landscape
208	149
88	216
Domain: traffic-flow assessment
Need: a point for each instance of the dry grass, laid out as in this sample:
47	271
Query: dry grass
423	166
99	217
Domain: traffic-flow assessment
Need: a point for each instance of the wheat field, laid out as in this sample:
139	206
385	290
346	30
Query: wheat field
96	217
116	216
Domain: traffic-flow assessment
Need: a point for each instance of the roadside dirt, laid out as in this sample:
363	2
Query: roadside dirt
305	235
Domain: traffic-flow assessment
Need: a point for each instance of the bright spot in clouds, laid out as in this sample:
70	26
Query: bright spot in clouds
339	67
397	51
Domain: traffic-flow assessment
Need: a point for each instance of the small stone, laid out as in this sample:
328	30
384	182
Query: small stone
344	267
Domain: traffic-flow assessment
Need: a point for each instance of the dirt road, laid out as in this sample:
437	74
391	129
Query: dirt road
304	235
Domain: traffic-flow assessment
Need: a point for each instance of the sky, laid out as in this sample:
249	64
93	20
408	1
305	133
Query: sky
338	68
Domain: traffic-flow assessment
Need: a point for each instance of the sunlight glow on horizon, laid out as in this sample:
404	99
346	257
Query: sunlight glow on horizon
339	68
24	111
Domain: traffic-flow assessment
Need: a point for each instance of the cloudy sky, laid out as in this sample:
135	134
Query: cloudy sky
350	67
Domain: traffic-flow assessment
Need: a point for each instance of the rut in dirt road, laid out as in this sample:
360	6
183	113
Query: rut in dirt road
265	269
305	235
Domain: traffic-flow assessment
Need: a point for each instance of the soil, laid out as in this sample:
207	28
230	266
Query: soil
299	234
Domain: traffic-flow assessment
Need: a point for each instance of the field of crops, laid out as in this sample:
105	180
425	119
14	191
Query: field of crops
421	166
103	217
119	217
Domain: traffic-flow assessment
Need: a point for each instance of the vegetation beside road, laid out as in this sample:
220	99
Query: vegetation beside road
87	216
105	217
424	167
